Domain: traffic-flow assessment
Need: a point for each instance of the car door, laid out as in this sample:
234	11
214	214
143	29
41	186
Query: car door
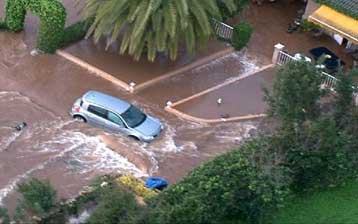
115	123
97	115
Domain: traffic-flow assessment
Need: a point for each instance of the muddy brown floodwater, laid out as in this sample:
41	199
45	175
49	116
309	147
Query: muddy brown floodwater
40	91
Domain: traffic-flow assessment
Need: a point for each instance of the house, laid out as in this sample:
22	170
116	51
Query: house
338	18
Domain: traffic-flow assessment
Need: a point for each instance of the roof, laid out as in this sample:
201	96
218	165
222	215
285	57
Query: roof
336	22
348	7
106	101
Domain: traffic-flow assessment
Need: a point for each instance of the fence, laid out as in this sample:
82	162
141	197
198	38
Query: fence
328	82
222	30
283	58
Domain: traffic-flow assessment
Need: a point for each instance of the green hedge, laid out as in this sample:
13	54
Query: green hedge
52	16
242	186
52	33
3	25
4	216
76	32
241	36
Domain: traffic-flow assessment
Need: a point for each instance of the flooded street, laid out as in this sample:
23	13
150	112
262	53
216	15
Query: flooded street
40	91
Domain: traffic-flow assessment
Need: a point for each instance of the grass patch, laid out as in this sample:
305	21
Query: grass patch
338	205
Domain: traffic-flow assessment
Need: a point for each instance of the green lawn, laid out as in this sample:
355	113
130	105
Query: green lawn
334	206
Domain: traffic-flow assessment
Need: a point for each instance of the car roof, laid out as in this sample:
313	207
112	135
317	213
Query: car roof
109	102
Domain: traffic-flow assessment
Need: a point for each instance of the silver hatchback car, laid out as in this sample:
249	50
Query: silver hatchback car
116	115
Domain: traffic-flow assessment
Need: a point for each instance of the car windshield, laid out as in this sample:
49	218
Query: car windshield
133	116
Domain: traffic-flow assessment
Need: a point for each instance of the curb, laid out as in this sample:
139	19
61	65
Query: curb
170	106
94	70
190	66
212	121
132	87
222	85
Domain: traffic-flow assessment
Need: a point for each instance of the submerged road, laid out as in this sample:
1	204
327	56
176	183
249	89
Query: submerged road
40	90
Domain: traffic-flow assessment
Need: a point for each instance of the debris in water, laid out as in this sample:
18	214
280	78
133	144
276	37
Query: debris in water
21	126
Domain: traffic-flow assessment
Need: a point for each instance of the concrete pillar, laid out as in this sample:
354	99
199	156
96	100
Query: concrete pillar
278	47
356	98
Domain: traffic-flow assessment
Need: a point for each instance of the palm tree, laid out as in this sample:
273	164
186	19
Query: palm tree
154	26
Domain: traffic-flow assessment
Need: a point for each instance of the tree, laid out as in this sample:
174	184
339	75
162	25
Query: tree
4	217
241	186
153	26
296	92
115	205
38	196
344	99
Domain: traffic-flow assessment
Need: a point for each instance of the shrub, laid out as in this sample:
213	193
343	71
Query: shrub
115	206
3	25
307	25
38	196
4	217
296	92
52	16
136	186
226	13
344	99
318	155
76	32
239	187
241	35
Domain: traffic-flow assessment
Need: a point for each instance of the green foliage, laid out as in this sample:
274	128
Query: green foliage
331	206
296	92
4	217
52	16
318	155
344	99
15	15
115	206
307	25
38	196
76	32
239	187
3	25
318	148
153	26
241	36
226	13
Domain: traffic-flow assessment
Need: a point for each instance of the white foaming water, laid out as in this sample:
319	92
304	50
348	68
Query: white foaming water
7	140
58	139
90	152
13	183
238	133
246	63
94	155
13	96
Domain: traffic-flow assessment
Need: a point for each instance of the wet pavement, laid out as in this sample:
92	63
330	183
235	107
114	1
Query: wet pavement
270	22
240	98
124	68
201	78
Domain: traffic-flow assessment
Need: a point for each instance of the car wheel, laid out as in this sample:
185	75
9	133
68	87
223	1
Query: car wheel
80	118
134	138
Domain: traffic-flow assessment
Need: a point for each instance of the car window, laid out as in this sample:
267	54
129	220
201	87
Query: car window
114	118
133	116
98	111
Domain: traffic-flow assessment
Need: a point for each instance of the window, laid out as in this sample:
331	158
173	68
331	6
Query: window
133	117
97	111
115	119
